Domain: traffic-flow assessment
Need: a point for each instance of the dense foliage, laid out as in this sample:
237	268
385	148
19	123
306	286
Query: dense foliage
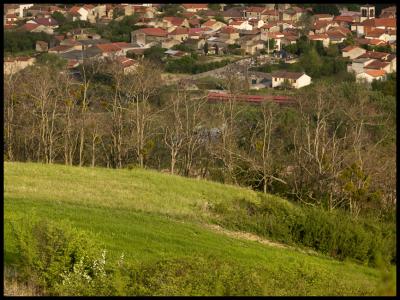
15	41
338	235
188	64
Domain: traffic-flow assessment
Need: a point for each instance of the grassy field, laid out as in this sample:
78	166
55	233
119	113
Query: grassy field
150	216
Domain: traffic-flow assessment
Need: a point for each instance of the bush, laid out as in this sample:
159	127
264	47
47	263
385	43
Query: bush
189	276
334	234
48	251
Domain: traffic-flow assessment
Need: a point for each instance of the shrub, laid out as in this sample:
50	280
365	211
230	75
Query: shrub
47	251
333	233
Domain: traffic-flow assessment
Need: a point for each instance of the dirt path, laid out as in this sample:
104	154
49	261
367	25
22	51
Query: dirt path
255	238
244	235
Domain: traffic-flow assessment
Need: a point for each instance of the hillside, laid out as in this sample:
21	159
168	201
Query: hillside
161	220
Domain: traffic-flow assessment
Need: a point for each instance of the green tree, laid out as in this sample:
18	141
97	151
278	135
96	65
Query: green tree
311	62
155	54
59	17
52	60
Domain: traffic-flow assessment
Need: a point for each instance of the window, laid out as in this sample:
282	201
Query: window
254	81
364	12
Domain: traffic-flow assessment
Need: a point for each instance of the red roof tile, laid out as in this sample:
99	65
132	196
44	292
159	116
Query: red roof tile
195	6
109	47
29	26
375	73
179	30
154	31
174	20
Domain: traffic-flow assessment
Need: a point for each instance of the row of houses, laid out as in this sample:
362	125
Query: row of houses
369	65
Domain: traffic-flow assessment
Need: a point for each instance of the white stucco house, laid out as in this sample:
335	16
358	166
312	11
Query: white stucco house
295	79
370	75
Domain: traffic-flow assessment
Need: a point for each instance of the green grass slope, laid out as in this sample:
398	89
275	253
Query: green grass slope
150	216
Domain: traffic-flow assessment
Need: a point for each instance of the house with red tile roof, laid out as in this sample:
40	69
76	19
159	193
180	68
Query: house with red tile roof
295	79
127	64
242	24
344	21
148	35
10	19
380	34
270	27
371	42
353	52
179	34
379	65
214	25
336	36
229	33
16	64
109	49
61	49
48	22
370	75
254	11
195	7
78	13
364	27
170	22
389	12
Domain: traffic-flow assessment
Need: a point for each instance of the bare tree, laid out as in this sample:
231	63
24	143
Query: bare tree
139	87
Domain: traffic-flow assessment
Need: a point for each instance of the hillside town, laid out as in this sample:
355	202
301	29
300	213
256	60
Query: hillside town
200	149
239	35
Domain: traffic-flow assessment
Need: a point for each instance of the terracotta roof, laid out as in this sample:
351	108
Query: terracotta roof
74	10
373	42
375	73
179	30
236	23
318	36
334	34
174	20
270	25
122	44
228	29
194	21
288	75
196	6
323	16
29	26
271	12
380	22
153	31
109	47
374	54
376	64
61	48
348	19
11	16
209	23
376	33
126	62
349	48
88	6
